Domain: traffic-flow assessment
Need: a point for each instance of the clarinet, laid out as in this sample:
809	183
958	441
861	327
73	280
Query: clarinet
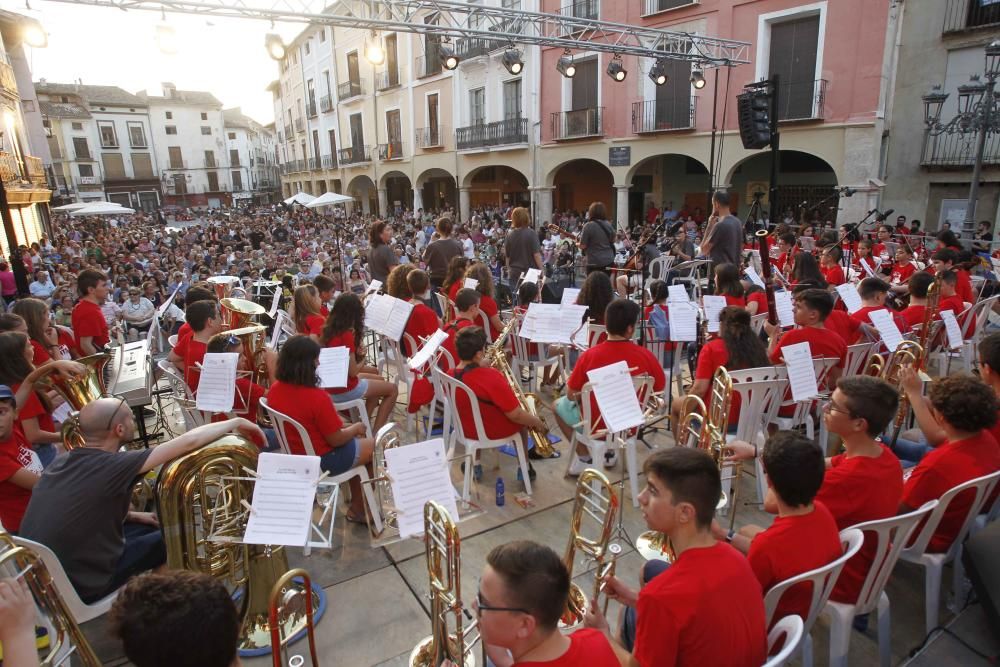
765	266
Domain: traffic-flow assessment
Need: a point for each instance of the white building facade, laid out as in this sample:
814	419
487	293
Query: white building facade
252	160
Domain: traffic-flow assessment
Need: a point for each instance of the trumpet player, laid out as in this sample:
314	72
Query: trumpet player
677	614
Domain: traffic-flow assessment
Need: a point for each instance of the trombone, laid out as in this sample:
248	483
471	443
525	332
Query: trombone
284	601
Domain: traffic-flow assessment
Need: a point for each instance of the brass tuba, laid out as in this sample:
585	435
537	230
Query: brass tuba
442	546
65	635
388	437
907	354
238	313
595	498
78	392
253	341
199	500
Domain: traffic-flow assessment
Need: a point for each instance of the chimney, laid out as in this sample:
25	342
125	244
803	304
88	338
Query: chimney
169	90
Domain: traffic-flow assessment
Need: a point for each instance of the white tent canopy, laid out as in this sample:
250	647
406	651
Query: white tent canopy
299	198
82	204
103	209
328	198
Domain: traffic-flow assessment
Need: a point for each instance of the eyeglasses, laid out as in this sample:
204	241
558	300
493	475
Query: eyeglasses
482	606
114	414
833	407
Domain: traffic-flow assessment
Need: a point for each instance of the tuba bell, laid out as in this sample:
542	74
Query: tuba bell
238	313
78	392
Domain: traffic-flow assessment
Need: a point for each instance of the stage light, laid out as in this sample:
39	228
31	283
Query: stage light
275	47
697	77
448	58
658	73
374	53
615	69
511	59
33	33
166	38
566	66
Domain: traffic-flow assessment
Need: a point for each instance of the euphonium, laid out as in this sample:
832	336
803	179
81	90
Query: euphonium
238	313
78	392
253	340
442	546
65	636
199	501
907	354
595	498
388	437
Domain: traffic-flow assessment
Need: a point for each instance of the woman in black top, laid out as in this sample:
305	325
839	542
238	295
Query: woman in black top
381	258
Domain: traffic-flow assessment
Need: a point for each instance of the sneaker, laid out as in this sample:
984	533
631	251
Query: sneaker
611	458
578	465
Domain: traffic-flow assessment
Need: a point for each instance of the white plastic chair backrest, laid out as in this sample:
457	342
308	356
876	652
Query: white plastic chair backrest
594	332
281	421
409	344
443	302
176	380
757	322
823	580
857	358
977	310
658	267
982	487
593	425
789	631
452	387
520	346
80	610
759	399
172	340
393	355
889	536
483	321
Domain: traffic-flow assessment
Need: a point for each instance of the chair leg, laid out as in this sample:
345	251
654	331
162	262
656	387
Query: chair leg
373	507
840	634
522	461
807	650
470	464
932	593
884	631
958	588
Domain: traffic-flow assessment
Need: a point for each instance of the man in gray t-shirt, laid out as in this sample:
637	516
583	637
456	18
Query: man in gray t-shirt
523	252
723	239
596	243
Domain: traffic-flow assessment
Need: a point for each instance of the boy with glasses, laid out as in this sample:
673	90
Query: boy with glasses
811	308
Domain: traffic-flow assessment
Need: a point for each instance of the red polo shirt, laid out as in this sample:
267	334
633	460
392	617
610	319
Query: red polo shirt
495	398
422	323
823	343
639	359
88	321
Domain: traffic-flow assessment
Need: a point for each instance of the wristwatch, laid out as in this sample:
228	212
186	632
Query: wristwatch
730	535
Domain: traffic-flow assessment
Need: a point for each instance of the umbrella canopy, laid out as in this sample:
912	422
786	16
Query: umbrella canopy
299	198
328	198
78	205
102	209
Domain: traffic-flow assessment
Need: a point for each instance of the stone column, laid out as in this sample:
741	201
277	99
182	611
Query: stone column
464	206
383	202
621	212
418	198
543	206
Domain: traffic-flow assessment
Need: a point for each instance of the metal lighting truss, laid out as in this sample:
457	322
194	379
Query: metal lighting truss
457	20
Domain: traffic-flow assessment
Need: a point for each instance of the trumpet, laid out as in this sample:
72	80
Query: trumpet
78	392
595	498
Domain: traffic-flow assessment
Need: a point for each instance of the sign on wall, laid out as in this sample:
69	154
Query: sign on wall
619	156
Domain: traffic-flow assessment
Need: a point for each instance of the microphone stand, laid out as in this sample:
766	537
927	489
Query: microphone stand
856	229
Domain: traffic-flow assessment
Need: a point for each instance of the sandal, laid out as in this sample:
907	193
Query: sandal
351	518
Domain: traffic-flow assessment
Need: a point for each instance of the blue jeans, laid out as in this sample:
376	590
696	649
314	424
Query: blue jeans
144	550
909	452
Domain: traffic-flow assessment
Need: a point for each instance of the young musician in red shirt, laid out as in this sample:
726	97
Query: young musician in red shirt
829	266
881	250
423	320
913	315
306	306
902	270
677	614
620	319
866	255
946	259
466	315
523	592
873	293
728	284
454	281
89	326
326	287
786	247
811	307
189	352
487	304
804	536
194	294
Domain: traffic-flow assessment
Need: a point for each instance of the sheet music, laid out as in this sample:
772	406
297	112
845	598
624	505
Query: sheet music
713	306
683	322
387	315
275	302
334	363
616	396
551	323
783	306
891	336
374	286
418	473
166	304
531	276
779	276
677	294
470	283
807	243
62	413
849	293
217	384
952	328
754	277
427	350
283	496
801	372
868	269
569	296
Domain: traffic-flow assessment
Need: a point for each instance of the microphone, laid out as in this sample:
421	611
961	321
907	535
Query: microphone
848	192
882	216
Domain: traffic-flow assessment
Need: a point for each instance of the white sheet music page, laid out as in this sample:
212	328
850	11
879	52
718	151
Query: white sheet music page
616	396
546	323
399	315
713	306
783	305
283	498
470	283
374	286
427	350
166	304
531	276
275	302
754	277
868	269
570	319
217	384
891	336
849	293
951	328
418	473
677	294
334	362
801	372
683	322
569	296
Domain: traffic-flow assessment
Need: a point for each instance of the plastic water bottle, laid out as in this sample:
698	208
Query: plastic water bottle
500	496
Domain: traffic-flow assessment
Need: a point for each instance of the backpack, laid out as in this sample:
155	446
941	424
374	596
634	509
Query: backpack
661	325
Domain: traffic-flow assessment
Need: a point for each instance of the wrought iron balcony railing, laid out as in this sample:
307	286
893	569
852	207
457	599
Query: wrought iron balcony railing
802	100
958	149
578	124
390	151
962	15
349	89
355	154
326	103
329	161
300	124
428	65
663	115
581	9
387	78
431	137
311	109
650	7
499	133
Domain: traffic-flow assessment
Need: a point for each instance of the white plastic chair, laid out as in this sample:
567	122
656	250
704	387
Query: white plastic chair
823	580
659	267
172	340
803	409
789	632
521	358
358	406
890	536
483	321
934	563
472	445
971	335
857	358
757	324
760	391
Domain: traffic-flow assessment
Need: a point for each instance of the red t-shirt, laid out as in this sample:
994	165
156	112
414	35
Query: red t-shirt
453	328
88	321
191	352
858	489
791	546
842	324
901	273
834	275
738	301
422	323
344	339
780	262
760	298
863	316
587	647
639	359
963	286
41	354
955	304
314	325
712	356
184	332
309	406
489	308
913	316
496	398
33	408
945	467
453	290
679	611
823	343
15	454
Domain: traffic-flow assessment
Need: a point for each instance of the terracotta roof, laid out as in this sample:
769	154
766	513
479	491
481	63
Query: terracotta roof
63	110
109	95
186	97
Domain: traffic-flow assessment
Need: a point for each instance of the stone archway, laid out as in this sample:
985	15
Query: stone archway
493	186
362	188
435	191
395	192
669	179
804	181
579	182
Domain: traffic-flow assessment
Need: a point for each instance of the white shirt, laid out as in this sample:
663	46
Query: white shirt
41	290
469	248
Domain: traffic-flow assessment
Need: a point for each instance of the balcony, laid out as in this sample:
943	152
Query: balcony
391	151
387	78
326	103
300	124
431	137
288	132
329	161
471	47
355	154
961	15
7	81
650	7
578	124
581	9
36	170
313	163
311	109
84	156
428	65
663	115
959	150
499	133
802	100
349	89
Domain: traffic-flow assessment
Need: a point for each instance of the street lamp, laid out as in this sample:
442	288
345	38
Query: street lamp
978	113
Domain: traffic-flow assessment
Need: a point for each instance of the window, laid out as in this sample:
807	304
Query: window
234	158
171	129
142	165
213	181
432	113
585	85
180	186
393	127
204	116
170	115
176	159
322	35
512	99
210	159
114	166
357	132
353	73
206	130
108	137
793	58
81	148
232	136
477	106
78	127
237	181
136	135
86	170
392	59
307	47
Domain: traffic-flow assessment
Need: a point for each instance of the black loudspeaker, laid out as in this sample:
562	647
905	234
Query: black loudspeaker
754	115
552	292
981	558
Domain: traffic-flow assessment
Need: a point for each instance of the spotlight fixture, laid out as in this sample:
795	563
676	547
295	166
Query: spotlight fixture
697	77
448	58
511	59
658	73
374	53
275	47
166	38
615	69
566	66
33	34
